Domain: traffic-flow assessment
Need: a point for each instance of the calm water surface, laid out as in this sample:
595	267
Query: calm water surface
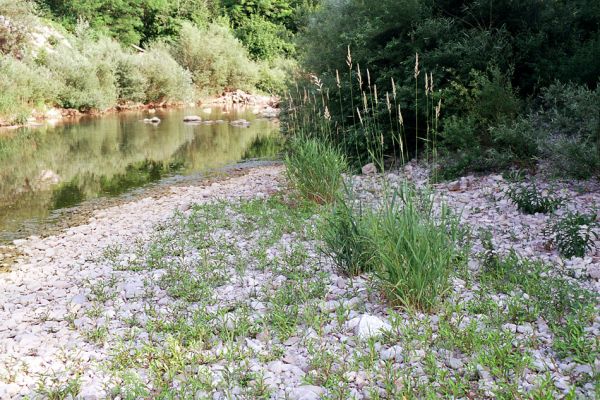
45	169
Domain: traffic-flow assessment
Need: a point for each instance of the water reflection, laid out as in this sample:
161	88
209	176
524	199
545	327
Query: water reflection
48	168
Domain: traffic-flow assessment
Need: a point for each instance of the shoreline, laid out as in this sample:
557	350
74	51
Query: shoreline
80	214
265	104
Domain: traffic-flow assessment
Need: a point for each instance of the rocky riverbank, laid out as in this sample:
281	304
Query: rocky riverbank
220	291
263	105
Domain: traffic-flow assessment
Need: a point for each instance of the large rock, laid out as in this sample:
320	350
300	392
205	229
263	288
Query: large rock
371	326
369	169
270	112
192	118
307	392
594	271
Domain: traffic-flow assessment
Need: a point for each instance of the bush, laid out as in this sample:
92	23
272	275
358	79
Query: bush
573	234
165	79
315	168
86	83
414	251
568	124
124	67
131	81
22	87
273	76
529	199
215	58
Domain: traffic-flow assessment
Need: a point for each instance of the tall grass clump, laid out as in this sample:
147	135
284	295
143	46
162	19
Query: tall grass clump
415	248
314	168
346	238
408	242
411	246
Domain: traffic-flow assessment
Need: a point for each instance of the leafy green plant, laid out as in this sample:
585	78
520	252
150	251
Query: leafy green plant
529	199
573	234
572	341
54	388
315	169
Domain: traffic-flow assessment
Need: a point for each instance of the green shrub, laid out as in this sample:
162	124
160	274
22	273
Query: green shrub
131	81
86	83
215	58
518	138
23	87
414	250
573	234
529	199
264	39
572	157
315	168
165	79
274	76
568	123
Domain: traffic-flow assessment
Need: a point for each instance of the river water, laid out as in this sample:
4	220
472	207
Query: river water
50	168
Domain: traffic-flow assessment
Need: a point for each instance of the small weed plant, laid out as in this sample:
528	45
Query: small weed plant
573	234
531	200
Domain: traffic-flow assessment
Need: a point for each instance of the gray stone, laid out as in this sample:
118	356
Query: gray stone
525	329
371	326
594	271
453	363
584	370
307	392
369	169
393	353
79	299
192	118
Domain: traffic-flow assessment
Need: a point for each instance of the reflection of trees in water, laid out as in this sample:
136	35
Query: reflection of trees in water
111	155
264	146
67	195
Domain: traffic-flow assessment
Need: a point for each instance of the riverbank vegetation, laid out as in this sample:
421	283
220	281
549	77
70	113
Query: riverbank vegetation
78	54
516	81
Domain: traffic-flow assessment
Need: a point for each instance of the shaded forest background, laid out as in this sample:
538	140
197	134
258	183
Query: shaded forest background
517	80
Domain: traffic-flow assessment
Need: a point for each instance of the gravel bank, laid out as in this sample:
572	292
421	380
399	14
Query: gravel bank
220	291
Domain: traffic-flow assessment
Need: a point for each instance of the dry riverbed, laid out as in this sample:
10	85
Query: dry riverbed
220	291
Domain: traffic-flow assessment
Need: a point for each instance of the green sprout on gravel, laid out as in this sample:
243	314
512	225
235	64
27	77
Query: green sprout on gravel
531	200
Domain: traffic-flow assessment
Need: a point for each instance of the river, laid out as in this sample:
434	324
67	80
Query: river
46	169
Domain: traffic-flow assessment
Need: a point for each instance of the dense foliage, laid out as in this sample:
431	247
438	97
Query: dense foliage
489	62
87	55
130	21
